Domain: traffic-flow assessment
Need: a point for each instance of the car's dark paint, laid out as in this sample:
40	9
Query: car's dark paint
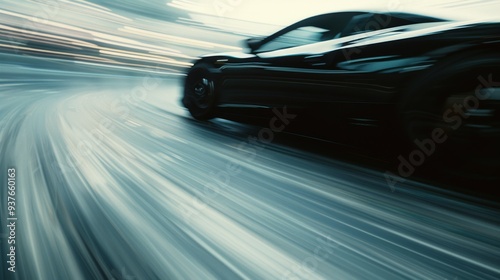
357	78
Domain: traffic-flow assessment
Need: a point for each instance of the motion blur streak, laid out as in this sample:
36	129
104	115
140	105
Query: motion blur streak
133	194
116	181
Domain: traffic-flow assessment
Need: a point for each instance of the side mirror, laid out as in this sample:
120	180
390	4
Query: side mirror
254	43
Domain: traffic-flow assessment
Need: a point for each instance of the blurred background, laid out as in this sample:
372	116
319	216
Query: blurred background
168	35
116	181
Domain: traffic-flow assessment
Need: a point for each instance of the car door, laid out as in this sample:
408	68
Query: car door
299	68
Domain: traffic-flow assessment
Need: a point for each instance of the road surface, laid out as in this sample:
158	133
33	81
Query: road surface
114	180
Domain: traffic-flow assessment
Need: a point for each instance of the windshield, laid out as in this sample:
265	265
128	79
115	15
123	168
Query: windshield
312	30
331	26
298	37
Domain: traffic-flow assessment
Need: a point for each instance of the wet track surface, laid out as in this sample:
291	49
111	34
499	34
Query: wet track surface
115	180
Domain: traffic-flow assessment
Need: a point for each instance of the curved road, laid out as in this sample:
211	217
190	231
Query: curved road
116	181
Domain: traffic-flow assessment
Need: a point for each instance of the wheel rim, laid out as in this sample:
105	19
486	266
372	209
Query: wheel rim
203	93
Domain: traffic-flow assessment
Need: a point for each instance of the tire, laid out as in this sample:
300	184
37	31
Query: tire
458	100
199	92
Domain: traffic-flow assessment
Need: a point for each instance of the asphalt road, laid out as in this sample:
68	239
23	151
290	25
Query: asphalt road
115	180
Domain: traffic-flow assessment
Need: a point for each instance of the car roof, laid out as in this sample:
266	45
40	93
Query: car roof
323	19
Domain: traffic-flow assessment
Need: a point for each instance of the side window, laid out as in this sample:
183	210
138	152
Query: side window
358	24
297	37
372	22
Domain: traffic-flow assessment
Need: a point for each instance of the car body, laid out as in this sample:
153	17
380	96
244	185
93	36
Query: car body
365	69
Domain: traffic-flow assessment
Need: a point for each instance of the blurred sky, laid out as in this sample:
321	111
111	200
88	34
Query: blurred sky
143	33
284	12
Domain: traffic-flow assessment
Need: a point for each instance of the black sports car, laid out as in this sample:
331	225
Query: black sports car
433	78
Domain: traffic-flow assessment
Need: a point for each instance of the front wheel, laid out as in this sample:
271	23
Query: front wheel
199	92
